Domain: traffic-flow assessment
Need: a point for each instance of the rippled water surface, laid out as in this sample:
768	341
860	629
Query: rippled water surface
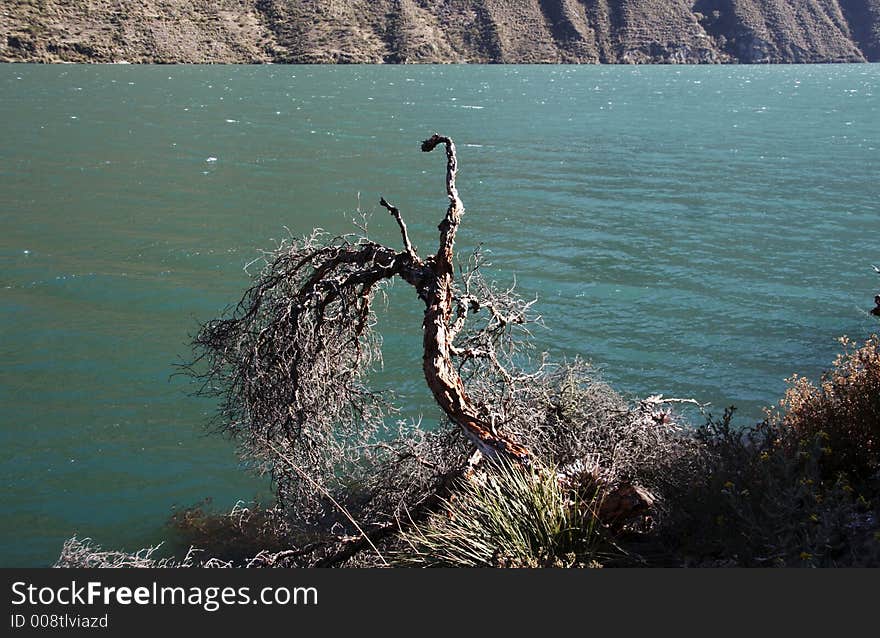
694	231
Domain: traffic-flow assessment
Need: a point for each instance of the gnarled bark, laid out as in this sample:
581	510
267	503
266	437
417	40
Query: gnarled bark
433	279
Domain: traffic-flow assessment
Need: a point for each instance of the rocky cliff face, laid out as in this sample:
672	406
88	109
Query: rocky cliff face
800	31
521	31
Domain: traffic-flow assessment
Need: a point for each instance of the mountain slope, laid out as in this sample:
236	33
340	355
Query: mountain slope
508	31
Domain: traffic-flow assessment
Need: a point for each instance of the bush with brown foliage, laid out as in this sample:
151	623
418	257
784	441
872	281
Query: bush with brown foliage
843	411
802	488
762	499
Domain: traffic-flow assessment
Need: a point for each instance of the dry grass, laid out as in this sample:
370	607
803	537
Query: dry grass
83	553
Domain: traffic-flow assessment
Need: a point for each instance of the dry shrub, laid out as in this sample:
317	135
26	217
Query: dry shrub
235	536
290	365
800	488
590	434
843	411
83	553
569	416
761	500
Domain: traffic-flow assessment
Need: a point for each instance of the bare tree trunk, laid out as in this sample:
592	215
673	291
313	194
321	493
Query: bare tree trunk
433	278
440	373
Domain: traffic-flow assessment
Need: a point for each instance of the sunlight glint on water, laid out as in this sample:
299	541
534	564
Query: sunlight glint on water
694	231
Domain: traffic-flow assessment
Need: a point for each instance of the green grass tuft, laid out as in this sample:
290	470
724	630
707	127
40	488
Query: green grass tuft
509	517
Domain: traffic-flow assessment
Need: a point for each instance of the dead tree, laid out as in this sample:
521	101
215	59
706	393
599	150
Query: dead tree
290	361
433	279
290	364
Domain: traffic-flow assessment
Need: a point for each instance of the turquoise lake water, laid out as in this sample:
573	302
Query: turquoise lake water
693	231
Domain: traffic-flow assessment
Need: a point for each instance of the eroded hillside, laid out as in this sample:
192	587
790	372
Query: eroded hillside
397	31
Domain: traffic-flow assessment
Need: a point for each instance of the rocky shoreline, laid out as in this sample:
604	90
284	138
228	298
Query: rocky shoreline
448	31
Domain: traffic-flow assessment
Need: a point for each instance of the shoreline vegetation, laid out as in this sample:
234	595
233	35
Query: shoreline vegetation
800	489
536	464
465	31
